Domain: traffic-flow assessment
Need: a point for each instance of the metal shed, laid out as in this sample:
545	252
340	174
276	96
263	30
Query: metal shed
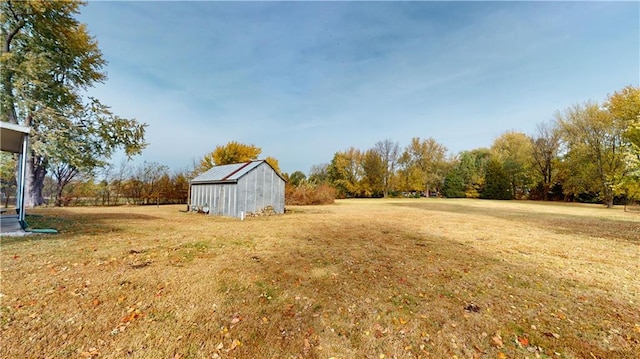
238	189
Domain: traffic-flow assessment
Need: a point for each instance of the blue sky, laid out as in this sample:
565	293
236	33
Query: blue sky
303	80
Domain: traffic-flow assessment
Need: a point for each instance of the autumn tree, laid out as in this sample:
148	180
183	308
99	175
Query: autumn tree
232	152
344	172
624	107
545	145
473	167
374	171
424	164
47	60
273	163
179	191
389	152
513	150
594	138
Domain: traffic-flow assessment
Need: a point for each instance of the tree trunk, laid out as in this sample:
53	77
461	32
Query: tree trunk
59	196
545	191
34	181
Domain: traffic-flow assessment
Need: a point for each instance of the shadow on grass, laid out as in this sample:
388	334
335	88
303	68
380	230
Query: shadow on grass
69	223
627	231
382	289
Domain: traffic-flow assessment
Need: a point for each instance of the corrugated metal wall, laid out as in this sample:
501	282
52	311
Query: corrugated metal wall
221	198
259	188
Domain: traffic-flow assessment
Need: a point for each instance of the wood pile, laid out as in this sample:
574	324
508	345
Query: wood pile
266	211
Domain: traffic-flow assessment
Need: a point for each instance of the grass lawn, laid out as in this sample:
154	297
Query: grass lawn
406	278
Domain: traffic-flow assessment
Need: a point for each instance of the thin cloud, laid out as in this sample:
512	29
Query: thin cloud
304	80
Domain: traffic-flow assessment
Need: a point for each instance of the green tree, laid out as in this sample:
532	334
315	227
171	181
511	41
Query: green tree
497	184
454	186
297	178
7	177
47	60
472	166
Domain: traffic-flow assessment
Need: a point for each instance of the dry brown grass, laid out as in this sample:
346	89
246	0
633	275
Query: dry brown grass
360	279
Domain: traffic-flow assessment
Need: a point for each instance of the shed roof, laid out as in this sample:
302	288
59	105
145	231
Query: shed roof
11	136
228	173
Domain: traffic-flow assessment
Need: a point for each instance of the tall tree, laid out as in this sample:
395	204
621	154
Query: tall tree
373	174
424	164
595	138
345	172
47	60
472	166
545	145
319	174
624	106
454	186
513	150
389	152
497	184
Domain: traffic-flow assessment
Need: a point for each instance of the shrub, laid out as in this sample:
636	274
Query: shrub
307	194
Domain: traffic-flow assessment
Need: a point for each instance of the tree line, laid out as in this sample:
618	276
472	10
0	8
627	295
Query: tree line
589	152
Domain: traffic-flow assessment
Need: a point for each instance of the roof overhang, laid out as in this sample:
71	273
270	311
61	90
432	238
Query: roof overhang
12	137
215	182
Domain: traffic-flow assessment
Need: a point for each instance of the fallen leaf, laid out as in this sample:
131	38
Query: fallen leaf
502	355
523	341
497	340
236	343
